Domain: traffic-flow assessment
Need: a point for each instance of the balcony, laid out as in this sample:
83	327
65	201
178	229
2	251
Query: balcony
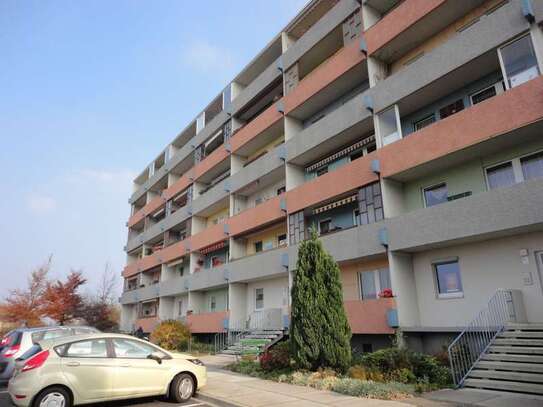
209	278
495	213
264	214
369	316
500	121
266	166
208	322
212	165
214	198
167	254
462	59
266	264
411	23
140	294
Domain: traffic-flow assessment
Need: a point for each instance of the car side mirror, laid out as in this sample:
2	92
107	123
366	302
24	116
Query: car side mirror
156	357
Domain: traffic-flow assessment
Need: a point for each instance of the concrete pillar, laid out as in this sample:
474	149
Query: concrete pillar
370	16
292	127
286	40
236	163
237	248
294	176
537	40
236	89
393	198
151	195
172	179
404	288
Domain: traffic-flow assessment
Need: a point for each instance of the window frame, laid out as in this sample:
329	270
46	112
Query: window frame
499	87
376	281
516	164
398	125
256	298
415	123
322	221
67	345
447	296
167	356
256	244
424	189
282	238
500	57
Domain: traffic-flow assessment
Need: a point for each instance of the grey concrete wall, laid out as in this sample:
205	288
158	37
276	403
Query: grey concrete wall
350	244
325	130
209	278
487	34
488	214
262	265
173	286
212	196
256	170
140	294
317	32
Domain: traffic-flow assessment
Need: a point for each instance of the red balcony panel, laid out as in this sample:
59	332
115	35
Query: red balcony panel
499	115
397	21
210	161
344	179
326	73
208	236
263	214
147	324
165	255
369	316
209	322
263	121
156	203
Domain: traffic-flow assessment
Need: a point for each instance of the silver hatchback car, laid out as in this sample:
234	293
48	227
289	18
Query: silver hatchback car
18	341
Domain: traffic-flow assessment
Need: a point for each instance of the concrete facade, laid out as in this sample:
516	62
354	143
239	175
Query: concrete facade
304	142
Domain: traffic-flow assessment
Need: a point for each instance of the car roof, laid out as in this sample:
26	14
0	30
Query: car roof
49	343
50	328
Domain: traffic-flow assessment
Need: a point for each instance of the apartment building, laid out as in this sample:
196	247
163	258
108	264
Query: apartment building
408	133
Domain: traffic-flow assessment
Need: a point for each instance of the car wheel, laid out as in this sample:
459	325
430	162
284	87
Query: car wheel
53	397
182	388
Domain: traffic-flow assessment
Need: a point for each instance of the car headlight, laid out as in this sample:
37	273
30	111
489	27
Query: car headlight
196	362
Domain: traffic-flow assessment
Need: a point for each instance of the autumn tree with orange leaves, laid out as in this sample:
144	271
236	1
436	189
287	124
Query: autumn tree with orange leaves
61	300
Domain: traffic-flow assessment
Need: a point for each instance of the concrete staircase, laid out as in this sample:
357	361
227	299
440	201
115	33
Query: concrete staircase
254	342
513	362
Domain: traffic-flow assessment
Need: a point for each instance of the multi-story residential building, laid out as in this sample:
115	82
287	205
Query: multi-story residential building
408	133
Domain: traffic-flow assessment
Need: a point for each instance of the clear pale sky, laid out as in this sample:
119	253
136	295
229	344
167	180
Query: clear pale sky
90	92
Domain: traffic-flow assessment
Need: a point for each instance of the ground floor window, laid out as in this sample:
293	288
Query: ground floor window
449	283
259	298
373	282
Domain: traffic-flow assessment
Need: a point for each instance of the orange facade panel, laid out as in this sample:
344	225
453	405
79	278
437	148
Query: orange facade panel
209	322
261	215
343	180
147	324
215	158
369	316
499	115
208	236
263	121
397	21
165	255
326	73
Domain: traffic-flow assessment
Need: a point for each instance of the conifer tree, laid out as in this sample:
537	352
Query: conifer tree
320	333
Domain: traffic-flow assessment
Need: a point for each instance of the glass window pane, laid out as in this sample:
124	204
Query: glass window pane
532	167
448	277
500	176
384	279
128	349
259	296
367	285
519	61
424	122
88	349
389	126
436	195
483	95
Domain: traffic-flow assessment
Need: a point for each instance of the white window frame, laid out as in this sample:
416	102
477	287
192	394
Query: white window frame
433	116
256	299
324	220
498	86
376	279
398	125
437	184
500	58
355	221
517	167
212	299
446	296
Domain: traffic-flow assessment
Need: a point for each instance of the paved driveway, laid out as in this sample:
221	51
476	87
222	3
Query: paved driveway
149	402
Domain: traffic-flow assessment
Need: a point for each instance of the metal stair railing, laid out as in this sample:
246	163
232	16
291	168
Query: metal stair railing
468	347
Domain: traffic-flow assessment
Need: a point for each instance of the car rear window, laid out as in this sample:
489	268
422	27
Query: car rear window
33	350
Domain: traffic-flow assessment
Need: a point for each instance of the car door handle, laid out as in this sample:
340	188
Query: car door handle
124	364
72	364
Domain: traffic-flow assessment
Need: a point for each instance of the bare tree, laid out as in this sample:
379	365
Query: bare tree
107	286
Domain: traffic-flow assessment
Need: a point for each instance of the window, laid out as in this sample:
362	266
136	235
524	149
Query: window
212	303
325	226
258	247
500	176
282	240
418	125
356	154
267	245
373	282
259	298
532	166
216	261
451	109
356	216
518	61
129	349
87	349
435	195
448	280
388	125
49	334
281	190
486	93
322	171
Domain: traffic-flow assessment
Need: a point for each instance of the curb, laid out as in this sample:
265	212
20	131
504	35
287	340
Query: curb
214	399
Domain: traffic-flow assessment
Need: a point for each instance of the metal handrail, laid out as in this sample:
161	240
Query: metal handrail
468	347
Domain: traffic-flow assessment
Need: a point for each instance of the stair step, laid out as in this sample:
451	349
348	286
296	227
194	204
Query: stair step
260	336
516	349
513	358
525	327
521	334
509	376
504	385
518	367
519	342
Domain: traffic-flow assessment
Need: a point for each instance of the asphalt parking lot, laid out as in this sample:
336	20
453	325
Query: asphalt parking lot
148	402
